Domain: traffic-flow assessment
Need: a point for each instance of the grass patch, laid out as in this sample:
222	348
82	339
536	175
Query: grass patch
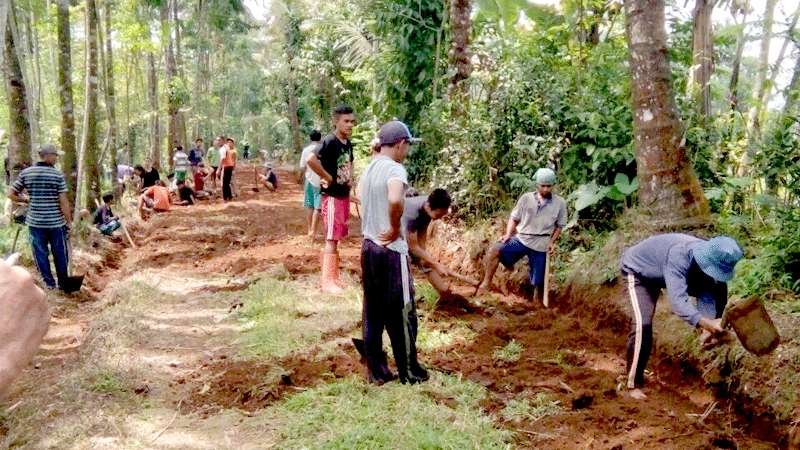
279	317
348	414
432	338
511	352
427	294
541	406
107	382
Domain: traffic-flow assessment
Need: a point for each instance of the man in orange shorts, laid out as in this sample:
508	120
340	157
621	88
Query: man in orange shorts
333	162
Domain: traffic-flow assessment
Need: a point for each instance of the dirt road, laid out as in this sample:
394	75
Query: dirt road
213	335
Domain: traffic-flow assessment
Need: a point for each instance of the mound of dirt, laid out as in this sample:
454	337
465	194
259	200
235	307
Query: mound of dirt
455	304
251	385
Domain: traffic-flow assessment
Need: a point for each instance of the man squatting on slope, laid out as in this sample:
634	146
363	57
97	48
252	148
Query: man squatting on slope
684	265
533	229
388	286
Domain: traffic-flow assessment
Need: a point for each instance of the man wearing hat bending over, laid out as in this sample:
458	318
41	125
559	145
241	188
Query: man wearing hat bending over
533	229
48	214
684	265
388	287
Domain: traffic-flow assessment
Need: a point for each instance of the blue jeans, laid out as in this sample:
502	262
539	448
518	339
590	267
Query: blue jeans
514	250
56	239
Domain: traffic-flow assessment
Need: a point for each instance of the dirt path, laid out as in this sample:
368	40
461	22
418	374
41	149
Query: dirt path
160	357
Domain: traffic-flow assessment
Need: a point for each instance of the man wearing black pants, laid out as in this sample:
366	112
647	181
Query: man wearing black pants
684	266
388	287
228	162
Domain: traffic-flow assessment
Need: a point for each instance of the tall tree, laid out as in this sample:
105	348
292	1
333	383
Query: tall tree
89	150
155	127
111	102
793	91
293	42
761	84
460	56
669	191
702	55
19	142
173	133
733	86
69	161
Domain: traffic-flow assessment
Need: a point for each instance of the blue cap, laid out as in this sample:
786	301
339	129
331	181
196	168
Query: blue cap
718	256
394	132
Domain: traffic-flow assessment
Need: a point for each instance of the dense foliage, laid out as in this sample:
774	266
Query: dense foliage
549	86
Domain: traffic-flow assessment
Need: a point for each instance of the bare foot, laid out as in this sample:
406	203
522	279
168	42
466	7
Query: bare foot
637	394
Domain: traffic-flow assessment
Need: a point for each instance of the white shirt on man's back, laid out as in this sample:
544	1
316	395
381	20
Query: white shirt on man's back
374	193
311	176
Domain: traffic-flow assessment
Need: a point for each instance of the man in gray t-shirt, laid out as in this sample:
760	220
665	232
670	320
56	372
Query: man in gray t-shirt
388	288
418	214
533	229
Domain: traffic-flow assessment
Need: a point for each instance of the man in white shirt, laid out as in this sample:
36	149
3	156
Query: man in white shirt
388	287
312	201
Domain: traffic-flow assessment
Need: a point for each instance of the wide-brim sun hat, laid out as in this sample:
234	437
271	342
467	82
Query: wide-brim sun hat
717	257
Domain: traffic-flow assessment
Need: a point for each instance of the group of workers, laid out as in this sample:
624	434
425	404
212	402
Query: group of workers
394	228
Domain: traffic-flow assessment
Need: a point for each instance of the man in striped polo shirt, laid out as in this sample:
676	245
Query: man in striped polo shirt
48	214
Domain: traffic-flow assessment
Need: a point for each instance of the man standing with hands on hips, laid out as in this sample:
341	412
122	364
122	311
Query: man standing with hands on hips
388	287
533	229
334	165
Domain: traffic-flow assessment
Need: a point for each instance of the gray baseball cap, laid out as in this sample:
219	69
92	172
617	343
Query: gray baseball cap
49	149
394	132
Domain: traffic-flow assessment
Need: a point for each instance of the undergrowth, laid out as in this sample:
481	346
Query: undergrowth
279	317
348	414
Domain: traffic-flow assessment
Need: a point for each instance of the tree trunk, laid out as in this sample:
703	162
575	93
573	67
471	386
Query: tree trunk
702	56
169	61
178	33
669	191
152	90
760	86
733	87
70	158
793	91
776	68
111	102
89	148
460	56
292	106
19	141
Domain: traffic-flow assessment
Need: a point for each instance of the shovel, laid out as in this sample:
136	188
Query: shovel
13	258
75	282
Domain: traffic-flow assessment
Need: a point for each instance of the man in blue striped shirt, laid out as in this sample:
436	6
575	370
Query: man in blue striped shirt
48	214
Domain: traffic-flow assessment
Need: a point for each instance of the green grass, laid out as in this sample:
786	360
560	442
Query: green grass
511	352
107	382
541	406
432	338
349	414
426	293
279	317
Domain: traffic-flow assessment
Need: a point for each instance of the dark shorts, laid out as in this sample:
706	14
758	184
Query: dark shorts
514	250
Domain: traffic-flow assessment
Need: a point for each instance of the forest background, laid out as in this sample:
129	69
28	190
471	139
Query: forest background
496	88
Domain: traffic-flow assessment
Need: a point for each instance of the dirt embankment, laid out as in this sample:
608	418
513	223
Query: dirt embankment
764	392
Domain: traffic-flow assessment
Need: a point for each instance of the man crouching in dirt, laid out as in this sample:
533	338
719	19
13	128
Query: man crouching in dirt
684	265
533	229
418	214
386	274
24	318
154	199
